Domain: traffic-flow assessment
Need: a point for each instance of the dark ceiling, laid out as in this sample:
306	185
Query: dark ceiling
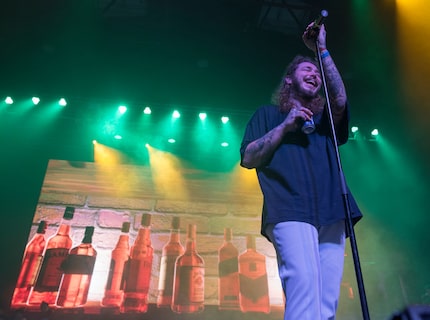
219	53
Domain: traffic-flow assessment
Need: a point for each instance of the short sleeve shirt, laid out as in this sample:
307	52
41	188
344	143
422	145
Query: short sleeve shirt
301	181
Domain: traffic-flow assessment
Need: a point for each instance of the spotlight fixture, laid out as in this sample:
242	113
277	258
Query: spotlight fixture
35	100
62	102
176	114
8	100
122	109
374	132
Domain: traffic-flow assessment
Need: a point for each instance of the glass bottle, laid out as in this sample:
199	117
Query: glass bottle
254	289
57	249
139	270
78	270
114	290
30	266
228	271
189	282
171	251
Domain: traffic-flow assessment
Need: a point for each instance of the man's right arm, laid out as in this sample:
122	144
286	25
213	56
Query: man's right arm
261	150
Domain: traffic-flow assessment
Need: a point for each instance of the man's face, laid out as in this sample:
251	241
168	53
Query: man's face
306	80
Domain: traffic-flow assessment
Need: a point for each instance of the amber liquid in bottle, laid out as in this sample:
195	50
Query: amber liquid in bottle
189	282
171	251
138	275
254	289
31	262
228	271
57	249
78	270
114	290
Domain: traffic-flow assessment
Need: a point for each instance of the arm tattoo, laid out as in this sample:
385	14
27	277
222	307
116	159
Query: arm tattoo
336	88
260	150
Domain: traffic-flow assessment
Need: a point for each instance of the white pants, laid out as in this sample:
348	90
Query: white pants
310	263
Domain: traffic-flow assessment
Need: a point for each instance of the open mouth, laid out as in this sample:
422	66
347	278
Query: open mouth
311	82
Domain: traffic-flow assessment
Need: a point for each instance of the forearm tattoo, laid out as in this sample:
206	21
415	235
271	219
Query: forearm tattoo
259	151
336	88
335	83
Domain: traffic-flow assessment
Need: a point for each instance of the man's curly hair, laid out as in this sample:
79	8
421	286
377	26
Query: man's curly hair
281	96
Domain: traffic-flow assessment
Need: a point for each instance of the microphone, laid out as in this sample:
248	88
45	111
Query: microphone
318	22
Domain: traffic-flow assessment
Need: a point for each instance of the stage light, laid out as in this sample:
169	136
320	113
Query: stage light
147	110
354	129
8	100
35	100
224	119
62	102
118	137
122	109
224	144
374	132
202	116
171	140
176	114
94	141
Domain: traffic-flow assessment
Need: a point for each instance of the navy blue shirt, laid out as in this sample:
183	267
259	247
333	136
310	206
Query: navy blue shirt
301	181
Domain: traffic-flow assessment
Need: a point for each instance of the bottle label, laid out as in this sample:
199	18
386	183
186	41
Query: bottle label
78	264
191	285
167	271
29	270
228	266
50	272
253	289
138	275
110	276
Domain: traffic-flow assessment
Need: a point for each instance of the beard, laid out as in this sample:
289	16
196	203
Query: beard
303	93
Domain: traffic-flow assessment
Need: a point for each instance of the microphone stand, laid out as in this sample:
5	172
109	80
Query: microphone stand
349	223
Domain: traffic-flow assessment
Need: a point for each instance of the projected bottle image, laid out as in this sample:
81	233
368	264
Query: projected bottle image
139	270
57	249
189	282
30	266
171	251
114	290
254	289
78	270
228	270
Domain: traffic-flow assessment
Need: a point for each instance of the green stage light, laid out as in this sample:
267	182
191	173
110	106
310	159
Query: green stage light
354	129
8	100
35	100
224	144
202	115
176	114
118	137
374	132
147	110
122	109
171	140
224	119
62	102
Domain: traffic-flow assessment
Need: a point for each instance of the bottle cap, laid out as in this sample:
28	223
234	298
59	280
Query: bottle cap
125	227
228	234
42	227
192	230
146	220
68	213
89	231
250	241
176	222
